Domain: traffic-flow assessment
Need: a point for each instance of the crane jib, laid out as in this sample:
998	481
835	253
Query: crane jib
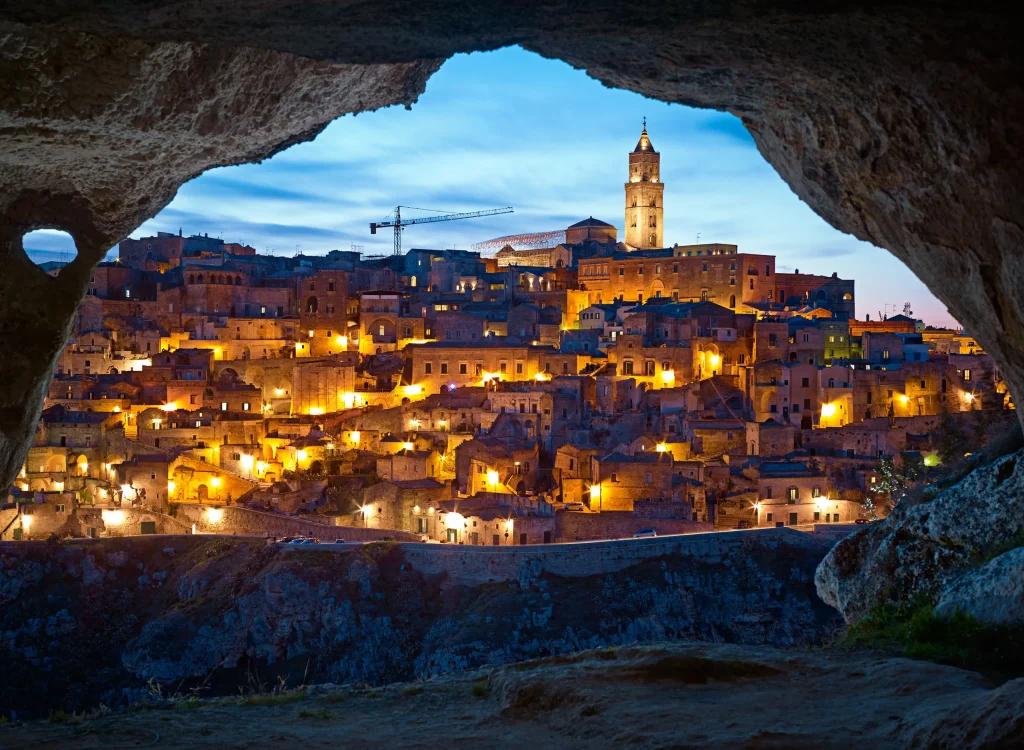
399	224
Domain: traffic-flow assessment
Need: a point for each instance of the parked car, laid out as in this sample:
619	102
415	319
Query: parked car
574	507
862	521
339	541
743	525
645	533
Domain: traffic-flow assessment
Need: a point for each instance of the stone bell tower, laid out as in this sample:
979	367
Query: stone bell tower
644	193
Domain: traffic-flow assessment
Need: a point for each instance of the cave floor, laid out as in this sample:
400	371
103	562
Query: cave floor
655	696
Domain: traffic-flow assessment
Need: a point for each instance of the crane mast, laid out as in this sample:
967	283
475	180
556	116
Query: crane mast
399	224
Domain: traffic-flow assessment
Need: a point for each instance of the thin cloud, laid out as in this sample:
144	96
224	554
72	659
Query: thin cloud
512	128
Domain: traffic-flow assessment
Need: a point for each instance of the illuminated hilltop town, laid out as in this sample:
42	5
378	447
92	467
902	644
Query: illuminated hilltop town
545	387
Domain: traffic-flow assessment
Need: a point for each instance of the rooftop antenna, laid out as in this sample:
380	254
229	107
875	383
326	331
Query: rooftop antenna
698	238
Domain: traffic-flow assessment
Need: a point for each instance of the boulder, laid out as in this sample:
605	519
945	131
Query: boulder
922	549
993	593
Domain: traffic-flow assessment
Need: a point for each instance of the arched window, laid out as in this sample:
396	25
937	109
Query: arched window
732	300
199	279
238	281
831	382
312	306
191	278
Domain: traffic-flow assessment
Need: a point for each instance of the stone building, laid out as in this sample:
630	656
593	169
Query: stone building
617	480
645	194
405	504
793	493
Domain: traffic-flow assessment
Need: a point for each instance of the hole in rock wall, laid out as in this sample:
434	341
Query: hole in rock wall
49	248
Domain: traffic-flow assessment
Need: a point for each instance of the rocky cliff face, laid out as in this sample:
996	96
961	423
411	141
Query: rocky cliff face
930	550
116	619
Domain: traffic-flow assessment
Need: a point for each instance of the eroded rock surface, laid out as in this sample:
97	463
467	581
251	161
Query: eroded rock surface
223	614
993	593
666	696
921	550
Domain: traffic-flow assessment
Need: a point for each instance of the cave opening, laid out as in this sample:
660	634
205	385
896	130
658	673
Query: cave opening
897	126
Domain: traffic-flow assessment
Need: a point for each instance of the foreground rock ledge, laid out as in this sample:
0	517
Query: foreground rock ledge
654	697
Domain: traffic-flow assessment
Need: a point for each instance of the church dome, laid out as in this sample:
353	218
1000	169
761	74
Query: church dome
591	222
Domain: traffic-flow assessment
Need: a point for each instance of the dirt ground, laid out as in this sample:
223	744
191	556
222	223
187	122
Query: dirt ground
672	696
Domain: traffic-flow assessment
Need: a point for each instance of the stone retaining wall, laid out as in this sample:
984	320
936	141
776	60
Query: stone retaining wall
248	522
469	566
572	526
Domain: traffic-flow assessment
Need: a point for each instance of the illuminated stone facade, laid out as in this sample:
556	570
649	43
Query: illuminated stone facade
645	192
695	273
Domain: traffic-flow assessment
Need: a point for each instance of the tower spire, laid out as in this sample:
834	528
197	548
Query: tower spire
644	193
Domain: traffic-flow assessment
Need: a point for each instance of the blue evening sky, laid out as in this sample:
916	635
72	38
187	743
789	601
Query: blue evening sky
510	128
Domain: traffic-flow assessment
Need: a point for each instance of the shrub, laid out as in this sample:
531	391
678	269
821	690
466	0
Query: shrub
914	631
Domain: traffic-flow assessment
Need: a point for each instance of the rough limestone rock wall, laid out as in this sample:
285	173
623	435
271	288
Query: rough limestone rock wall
992	593
96	622
922	550
898	123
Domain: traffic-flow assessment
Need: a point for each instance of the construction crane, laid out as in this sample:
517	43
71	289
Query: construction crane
399	224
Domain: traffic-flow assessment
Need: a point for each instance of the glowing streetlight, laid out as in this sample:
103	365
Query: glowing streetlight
113	517
828	410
